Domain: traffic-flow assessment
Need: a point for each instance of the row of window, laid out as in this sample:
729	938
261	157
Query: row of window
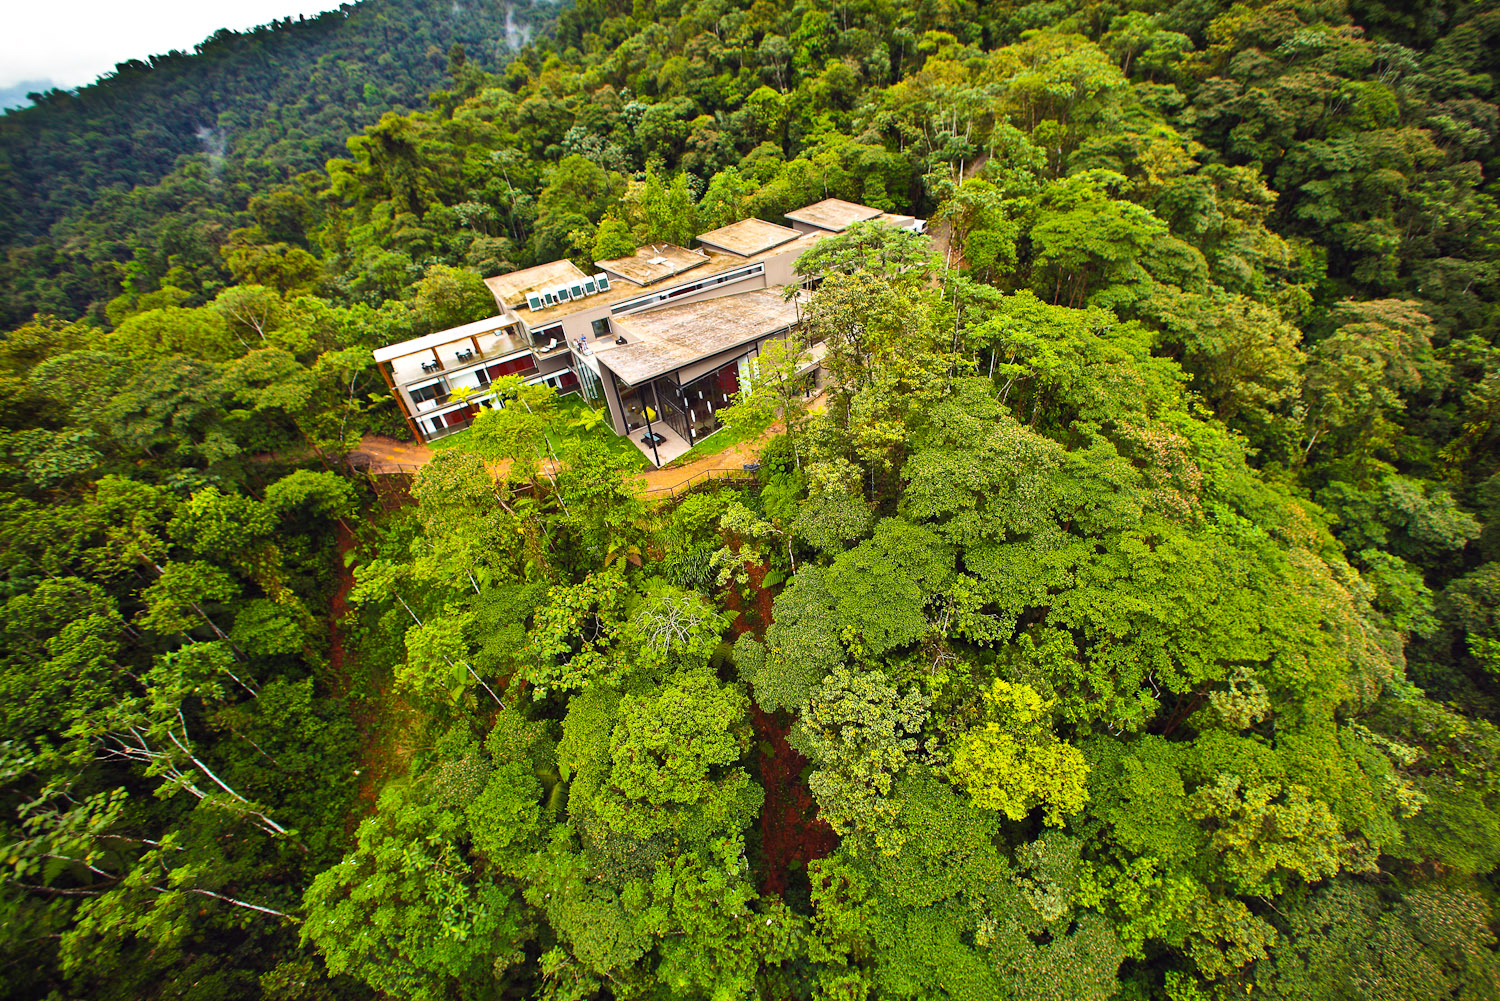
739	274
437	388
461	417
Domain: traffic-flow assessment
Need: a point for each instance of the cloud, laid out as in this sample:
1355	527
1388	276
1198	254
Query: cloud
68	43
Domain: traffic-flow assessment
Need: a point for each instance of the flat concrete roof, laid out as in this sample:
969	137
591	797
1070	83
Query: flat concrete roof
748	237
511	289
441	337
833	214
666	339
653	263
717	263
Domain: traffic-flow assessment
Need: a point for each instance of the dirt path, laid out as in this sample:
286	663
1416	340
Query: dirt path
731	458
941	231
387	455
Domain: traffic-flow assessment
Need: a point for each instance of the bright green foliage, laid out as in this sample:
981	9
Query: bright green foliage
1085	238
1226	936
449	297
60	642
726	198
176	602
835	514
672	761
213	524
1014	762
673	630
1146	902
573	632
884	586
583	756
613	240
517	430
1263	832
265	628
718	944
802	644
404	913
665	210
1243	357
504	819
861	732
606	930
319	494
874	248
946	845
983	234
436	665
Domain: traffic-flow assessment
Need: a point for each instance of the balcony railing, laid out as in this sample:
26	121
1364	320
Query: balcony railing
449	429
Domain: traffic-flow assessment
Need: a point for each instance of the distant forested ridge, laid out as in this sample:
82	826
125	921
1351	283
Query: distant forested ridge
242	112
1123	622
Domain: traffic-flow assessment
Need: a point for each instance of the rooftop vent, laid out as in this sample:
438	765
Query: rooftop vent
581	289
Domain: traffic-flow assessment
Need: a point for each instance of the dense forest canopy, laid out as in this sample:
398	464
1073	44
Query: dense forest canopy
1122	622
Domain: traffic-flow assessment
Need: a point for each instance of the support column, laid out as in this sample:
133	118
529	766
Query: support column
400	402
646	412
612	400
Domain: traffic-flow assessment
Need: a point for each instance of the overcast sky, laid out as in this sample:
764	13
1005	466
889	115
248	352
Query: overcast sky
65	43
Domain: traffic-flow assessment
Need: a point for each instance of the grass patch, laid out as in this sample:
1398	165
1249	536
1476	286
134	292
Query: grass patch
559	433
569	408
721	440
449	441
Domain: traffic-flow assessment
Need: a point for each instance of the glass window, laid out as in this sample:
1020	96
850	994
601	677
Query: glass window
593	388
601	327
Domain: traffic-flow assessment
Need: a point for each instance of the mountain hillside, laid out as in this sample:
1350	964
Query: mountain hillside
260	105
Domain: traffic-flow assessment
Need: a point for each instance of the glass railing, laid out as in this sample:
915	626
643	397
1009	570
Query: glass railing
456	361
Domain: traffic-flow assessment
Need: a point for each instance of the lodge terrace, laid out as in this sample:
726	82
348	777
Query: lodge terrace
667	333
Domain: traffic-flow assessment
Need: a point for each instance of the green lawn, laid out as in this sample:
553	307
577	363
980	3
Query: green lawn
568	409
456	438
721	440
